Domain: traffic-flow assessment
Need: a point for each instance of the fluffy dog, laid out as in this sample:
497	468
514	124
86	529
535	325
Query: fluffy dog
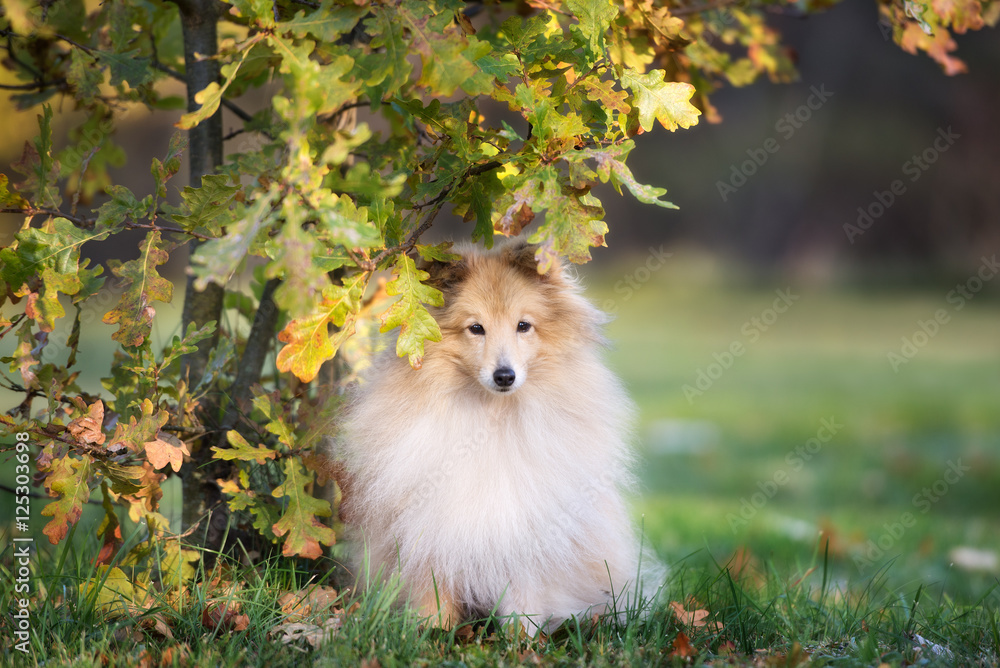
492	478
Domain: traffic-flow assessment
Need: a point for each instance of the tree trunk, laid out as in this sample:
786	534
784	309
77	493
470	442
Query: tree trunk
199	21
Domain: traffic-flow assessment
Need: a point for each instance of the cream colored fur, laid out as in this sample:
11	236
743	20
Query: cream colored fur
484	500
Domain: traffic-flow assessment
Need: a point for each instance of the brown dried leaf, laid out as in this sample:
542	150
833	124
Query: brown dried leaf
176	655
88	428
298	605
313	634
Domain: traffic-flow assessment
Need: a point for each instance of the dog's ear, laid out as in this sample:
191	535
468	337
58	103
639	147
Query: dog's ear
521	255
445	275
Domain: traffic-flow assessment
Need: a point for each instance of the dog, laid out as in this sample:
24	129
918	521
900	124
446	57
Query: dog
492	480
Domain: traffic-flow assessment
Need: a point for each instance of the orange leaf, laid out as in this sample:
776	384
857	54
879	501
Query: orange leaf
160	453
87	428
683	647
693	618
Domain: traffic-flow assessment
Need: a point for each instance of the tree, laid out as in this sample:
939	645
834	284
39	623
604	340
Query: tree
509	113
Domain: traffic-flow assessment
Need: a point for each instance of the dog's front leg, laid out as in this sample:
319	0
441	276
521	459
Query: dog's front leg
438	604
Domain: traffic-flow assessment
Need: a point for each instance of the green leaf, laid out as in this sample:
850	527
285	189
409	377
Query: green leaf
241	497
142	284
8	198
328	23
207	208
573	221
188	344
439	252
257	12
657	100
218	259
240	449
317	88
611	167
53	255
415	322
83	75
272	408
388	68
39	167
300	521
309	341
171	164
446	55
127	67
121	207
595	17
69	479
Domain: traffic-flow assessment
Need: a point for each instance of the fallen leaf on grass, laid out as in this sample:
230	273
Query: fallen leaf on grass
176	655
694	618
683	647
224	617
313	634
158	625
297	605
727	648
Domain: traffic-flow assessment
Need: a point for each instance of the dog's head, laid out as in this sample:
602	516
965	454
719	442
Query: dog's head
503	322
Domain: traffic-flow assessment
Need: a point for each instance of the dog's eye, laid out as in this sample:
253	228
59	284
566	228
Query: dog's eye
477	329
523	326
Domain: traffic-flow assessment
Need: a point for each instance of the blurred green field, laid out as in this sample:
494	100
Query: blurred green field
733	467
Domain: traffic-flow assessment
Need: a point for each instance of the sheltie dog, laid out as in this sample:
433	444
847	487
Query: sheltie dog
491	480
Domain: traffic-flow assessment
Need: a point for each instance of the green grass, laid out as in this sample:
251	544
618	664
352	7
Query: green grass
796	569
758	613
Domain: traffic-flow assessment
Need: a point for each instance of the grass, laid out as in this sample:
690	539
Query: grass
764	618
822	563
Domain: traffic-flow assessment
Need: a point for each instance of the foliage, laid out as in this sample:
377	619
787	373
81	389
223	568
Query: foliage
503	114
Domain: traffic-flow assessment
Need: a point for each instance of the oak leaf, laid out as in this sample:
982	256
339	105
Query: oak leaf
69	479
160	452
300	523
668	102
142	284
88	428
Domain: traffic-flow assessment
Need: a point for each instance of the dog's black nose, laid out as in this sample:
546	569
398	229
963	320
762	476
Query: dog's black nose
503	377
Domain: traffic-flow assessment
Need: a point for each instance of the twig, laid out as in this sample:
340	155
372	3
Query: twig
32	211
235	133
39	85
88	223
437	203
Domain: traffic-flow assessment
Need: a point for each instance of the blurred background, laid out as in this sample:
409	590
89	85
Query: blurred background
812	339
